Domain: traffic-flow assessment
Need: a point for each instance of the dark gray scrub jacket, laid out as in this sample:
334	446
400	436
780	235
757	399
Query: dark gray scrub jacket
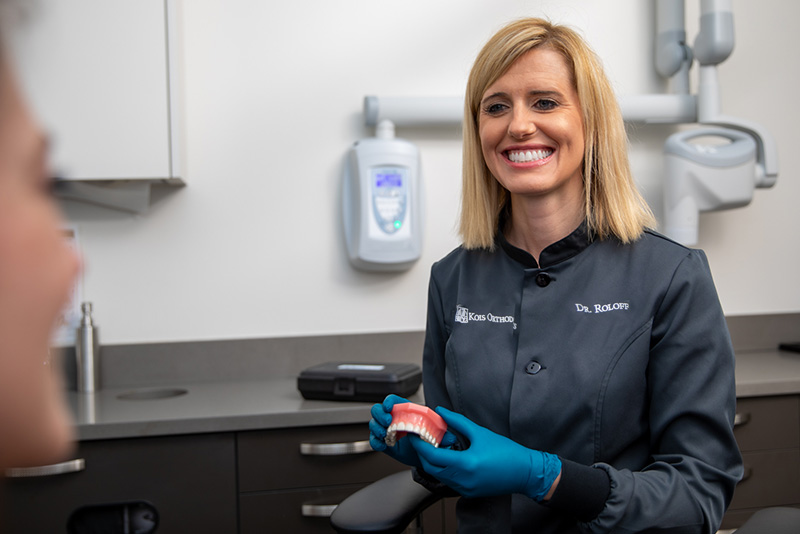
615	357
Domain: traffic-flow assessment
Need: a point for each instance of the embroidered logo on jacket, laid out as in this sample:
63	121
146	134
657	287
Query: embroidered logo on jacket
463	315
602	308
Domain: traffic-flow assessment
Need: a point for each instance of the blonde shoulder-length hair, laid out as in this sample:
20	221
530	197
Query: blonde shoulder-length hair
614	206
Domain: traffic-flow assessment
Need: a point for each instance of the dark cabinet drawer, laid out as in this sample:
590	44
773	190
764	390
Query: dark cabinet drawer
190	480
304	511
768	423
772	478
309	457
768	434
293	511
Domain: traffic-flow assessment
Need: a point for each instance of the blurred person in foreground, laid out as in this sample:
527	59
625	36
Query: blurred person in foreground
37	270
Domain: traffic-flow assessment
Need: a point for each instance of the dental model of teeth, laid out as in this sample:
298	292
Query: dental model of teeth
421	420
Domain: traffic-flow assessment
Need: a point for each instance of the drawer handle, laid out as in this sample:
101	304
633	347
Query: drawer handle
335	449
318	510
741	419
72	466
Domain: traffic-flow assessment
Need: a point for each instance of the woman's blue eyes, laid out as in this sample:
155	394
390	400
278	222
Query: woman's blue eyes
544	104
494	109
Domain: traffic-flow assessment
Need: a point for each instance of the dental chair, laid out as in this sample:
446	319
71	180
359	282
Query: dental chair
387	506
391	504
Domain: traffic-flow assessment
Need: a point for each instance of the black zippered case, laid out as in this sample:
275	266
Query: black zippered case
364	382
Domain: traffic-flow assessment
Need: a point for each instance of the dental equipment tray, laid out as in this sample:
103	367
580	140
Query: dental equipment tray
365	382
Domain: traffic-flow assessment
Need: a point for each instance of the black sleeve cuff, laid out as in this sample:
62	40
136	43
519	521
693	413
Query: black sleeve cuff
582	491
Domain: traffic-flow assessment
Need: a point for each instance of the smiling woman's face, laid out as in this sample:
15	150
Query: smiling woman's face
531	128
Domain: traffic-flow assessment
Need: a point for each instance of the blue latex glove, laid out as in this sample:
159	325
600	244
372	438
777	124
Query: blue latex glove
491	465
402	450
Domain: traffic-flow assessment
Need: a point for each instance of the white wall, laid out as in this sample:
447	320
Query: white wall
252	247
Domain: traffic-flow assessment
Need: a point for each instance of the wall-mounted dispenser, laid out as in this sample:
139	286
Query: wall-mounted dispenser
382	202
705	174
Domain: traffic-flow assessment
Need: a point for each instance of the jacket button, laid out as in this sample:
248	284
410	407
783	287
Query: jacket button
533	368
543	279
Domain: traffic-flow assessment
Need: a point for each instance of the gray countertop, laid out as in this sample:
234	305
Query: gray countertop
266	404
763	373
208	407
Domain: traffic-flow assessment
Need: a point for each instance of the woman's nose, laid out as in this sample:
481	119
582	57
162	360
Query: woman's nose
522	125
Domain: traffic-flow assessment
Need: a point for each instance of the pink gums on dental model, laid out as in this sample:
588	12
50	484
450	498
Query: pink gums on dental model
421	420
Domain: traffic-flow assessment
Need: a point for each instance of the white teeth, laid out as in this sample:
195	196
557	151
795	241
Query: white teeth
526	156
394	428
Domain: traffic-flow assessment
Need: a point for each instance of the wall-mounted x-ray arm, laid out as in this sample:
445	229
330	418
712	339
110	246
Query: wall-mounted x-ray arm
449	110
713	45
673	55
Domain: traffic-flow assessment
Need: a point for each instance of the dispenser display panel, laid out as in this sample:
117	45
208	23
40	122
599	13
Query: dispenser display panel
389	198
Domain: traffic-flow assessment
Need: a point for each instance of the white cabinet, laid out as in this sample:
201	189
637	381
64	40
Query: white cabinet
101	77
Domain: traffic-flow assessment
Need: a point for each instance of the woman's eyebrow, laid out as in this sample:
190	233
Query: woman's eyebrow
498	94
533	92
540	93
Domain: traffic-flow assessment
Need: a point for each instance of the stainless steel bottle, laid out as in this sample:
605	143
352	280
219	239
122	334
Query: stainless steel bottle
87	351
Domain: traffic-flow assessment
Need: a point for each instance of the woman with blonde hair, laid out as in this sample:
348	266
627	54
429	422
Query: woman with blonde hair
613	205
581	360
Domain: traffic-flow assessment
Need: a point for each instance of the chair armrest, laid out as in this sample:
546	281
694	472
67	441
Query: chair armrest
387	506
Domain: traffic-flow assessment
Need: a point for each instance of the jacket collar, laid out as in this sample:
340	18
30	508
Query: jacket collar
559	251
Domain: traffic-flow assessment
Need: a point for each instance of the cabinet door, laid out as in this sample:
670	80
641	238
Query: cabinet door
96	74
190	480
768	423
771	478
768	433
